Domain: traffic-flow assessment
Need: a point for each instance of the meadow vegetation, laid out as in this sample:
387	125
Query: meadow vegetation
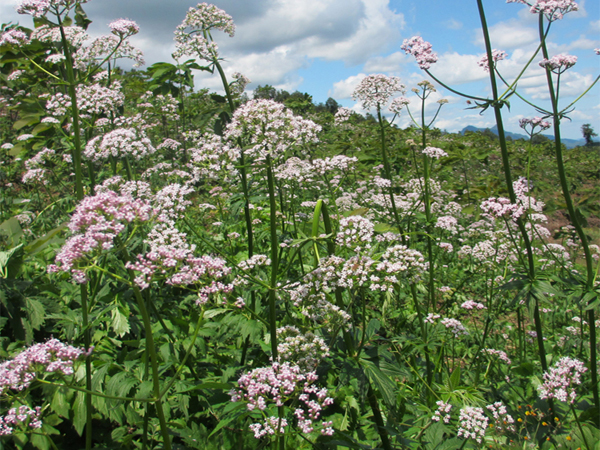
185	269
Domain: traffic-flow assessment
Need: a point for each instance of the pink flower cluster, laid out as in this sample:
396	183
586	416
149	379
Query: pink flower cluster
21	416
455	326
119	143
342	115
189	36
239	83
470	305
356	232
559	63
103	46
14	37
499	353
171	256
74	35
533	123
375	91
434	152
35	166
442	412
97	221
277	385
502	207
36	8
269	128
421	50
503	421
51	356
497	55
552	9
561	379
306	349
398	104
124	28
472	423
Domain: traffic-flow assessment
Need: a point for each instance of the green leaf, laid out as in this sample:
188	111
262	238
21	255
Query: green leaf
40	441
79	412
12	229
59	403
385	386
120	320
36	312
384	228
8	267
214	312
225	421
26	121
372	327
41	243
455	379
40	128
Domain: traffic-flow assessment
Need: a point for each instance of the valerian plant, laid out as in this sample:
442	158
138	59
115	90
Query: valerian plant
184	270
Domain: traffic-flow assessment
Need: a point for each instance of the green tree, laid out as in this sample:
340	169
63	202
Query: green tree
588	133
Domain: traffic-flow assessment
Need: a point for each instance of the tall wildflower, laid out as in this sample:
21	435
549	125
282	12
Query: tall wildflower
52	356
560	381
192	36
472	423
375	91
278	385
270	128
421	50
552	9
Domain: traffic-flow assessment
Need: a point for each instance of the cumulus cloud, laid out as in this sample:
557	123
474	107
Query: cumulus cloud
389	64
509	35
453	68
343	89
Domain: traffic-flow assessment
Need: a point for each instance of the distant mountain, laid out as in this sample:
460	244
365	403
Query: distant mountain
569	143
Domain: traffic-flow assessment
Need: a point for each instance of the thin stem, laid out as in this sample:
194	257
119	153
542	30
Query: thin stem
274	259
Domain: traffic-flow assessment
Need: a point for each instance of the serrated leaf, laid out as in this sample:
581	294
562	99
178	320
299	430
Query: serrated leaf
120	321
35	311
385	386
79	412
59	403
372	327
213	312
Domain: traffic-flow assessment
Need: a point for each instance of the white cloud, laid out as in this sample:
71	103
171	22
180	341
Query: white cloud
572	84
377	28
453	68
509	35
343	89
388	64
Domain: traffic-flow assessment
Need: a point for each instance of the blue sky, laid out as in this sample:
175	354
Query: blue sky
324	47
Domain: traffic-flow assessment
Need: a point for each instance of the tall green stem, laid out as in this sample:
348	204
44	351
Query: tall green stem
87	337
507	174
274	259
556	117
164	430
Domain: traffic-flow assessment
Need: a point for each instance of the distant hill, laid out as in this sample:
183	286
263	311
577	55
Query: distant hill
569	143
